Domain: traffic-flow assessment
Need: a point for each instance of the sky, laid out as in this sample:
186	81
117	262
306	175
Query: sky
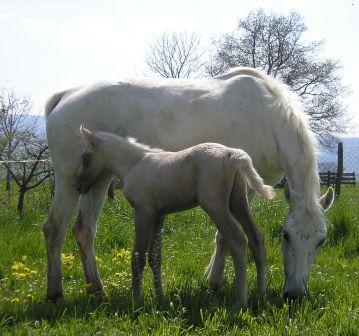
51	45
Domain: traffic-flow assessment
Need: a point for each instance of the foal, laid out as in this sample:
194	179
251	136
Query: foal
157	182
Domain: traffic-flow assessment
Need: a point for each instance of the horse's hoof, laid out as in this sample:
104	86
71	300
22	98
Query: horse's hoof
57	299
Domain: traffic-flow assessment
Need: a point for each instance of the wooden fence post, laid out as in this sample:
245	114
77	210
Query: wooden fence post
339	169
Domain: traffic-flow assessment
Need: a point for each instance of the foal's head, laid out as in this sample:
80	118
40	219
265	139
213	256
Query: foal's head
92	162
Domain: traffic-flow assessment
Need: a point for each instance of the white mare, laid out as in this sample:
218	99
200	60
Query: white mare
157	183
242	109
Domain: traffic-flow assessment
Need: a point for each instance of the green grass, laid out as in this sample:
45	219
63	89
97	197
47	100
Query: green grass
189	307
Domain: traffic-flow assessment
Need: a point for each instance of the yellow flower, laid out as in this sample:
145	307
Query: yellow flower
15	300
30	297
15	267
33	272
15	274
22	275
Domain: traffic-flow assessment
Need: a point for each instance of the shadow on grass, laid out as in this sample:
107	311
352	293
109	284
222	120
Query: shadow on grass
193	305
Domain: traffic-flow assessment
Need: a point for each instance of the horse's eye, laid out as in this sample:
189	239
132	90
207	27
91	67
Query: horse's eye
286	236
321	242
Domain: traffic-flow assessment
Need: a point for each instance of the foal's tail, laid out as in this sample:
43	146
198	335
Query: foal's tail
254	181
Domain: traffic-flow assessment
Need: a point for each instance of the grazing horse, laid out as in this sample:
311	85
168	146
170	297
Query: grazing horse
243	108
157	183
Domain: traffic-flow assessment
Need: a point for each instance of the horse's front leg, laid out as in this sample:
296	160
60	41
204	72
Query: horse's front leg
144	223
64	202
84	231
155	256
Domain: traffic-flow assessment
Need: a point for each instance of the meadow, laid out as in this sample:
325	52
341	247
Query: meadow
189	307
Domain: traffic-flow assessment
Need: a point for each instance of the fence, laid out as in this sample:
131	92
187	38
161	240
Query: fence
336	169
341	167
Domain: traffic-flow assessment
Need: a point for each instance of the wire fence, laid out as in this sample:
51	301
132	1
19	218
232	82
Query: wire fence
345	163
25	189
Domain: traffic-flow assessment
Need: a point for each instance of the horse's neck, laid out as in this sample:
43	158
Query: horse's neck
300	166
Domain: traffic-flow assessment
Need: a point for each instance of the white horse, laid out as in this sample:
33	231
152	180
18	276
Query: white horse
242	109
157	183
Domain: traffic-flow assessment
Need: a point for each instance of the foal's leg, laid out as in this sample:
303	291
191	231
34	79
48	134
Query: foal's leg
84	231
144	224
237	245
62	207
215	269
155	256
240	208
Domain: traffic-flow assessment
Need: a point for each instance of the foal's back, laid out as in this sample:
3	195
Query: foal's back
170	180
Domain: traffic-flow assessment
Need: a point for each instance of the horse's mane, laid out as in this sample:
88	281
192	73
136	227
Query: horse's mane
289	114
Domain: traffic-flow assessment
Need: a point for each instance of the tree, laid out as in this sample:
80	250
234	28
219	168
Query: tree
14	124
274	44
175	55
23	146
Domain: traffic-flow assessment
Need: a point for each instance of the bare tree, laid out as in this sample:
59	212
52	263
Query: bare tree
14	124
175	55
274	43
23	145
32	167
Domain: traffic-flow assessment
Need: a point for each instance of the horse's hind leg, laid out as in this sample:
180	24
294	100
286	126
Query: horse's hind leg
240	209
155	256
64	202
215	270
84	231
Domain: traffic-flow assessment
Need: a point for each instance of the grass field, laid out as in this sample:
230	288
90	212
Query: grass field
189	307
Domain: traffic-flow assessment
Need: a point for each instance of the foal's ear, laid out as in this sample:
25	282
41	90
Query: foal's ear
88	135
327	199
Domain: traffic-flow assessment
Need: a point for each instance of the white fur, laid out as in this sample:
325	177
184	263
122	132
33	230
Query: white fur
157	182
242	109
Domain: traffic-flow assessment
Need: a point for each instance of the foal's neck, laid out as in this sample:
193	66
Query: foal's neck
123	154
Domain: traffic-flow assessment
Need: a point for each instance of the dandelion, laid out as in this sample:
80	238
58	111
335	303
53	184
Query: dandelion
67	259
22	275
33	273
30	297
15	300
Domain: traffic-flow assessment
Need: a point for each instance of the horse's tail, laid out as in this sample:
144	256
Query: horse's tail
53	101
245	167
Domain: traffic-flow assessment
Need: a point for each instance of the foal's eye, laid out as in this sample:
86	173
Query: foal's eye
286	236
86	159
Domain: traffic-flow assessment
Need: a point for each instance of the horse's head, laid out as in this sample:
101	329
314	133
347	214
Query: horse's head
303	233
92	162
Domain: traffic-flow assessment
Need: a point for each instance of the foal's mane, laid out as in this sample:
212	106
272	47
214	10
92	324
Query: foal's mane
139	145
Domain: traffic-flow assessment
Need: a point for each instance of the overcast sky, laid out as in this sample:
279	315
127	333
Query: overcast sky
49	45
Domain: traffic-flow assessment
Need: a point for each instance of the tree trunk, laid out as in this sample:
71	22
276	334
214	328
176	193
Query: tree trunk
8	181
20	203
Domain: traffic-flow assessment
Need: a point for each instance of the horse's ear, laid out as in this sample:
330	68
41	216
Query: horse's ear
88	135
327	199
287	192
